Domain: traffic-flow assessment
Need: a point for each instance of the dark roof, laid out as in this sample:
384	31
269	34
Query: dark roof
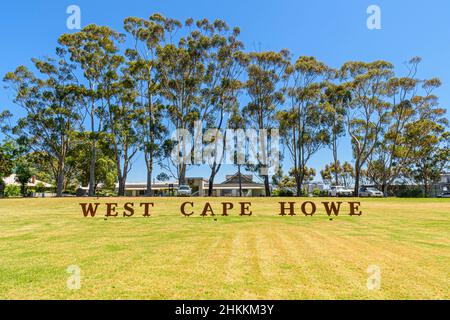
234	179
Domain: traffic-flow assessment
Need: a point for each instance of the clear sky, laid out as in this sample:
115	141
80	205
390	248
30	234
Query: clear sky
333	31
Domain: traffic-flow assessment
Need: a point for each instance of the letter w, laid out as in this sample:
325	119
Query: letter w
88	209
332	209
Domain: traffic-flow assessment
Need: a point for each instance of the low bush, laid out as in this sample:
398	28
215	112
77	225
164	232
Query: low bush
12	191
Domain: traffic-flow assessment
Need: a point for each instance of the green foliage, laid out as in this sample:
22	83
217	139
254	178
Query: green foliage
7	157
51	101
343	173
368	110
91	108
163	177
12	191
265	71
282	193
40	187
24	173
95	49
433	160
302	125
410	192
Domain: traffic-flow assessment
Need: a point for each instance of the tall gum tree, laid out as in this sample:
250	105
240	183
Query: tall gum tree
303	125
121	121
52	103
181	72
147	36
368	111
335	103
94	49
265	72
412	105
224	63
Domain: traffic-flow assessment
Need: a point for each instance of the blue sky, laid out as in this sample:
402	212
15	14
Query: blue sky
333	31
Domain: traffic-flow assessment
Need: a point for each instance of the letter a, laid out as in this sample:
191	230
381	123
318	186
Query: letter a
374	20
74	20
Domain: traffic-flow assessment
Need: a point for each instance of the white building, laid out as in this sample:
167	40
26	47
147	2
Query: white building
12	180
199	186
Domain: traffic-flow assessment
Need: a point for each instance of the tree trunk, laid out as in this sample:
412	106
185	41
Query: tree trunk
240	180
426	187
92	182
92	170
23	189
211	180
122	182
336	179
357	178
211	185
298	184
149	191
60	179
267	185
182	175
2	188
60	185
149	163
335	158
385	189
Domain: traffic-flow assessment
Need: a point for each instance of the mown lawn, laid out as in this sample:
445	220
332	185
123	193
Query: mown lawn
265	256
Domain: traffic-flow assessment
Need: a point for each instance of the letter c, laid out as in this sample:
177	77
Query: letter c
184	212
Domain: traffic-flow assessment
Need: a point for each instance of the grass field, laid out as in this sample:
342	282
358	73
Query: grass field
264	256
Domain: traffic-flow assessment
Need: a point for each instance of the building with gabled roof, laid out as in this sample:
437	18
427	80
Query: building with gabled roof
199	186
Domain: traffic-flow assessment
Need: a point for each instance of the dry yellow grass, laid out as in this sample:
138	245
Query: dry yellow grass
264	256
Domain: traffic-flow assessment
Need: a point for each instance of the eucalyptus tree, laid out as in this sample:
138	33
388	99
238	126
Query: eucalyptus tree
339	174
303	125
51	102
368	111
148	36
290	182
412	105
336	100
181	72
24	172
265	72
95	50
224	62
236	122
434	159
105	164
121	124
7	158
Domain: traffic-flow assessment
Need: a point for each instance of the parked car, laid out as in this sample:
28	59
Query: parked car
444	195
370	192
184	191
339	191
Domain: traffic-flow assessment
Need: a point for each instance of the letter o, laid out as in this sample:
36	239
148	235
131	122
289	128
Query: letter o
313	207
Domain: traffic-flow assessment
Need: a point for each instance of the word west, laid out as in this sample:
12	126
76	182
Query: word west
188	209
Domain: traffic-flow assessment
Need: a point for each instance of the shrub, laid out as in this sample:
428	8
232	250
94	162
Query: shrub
412	192
40	187
324	193
12	191
283	193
